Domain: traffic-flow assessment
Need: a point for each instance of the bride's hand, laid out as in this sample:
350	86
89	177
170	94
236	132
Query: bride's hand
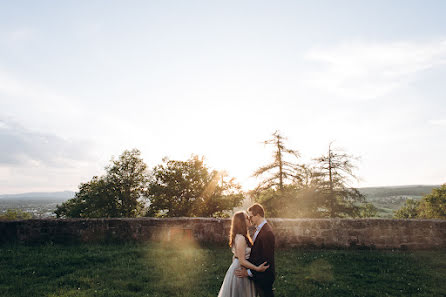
262	268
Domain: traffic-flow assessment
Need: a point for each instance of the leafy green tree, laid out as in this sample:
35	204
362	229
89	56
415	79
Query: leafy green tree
300	199
95	199
409	210
336	171
433	205
129	179
119	193
291	202
274	200
190	189
368	210
15	214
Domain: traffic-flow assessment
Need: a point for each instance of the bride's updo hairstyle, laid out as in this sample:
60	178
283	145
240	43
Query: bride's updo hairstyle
238	226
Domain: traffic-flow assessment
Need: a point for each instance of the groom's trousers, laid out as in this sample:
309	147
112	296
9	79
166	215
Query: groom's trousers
265	291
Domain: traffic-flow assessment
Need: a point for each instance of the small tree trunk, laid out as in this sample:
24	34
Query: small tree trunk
331	196
279	158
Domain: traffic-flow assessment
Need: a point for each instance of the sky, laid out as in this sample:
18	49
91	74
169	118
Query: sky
82	81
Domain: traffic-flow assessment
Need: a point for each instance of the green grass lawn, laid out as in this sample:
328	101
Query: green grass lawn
174	269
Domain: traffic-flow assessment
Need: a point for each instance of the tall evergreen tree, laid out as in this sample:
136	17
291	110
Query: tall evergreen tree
280	171
336	169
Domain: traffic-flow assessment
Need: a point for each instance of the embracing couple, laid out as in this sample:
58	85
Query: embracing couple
252	270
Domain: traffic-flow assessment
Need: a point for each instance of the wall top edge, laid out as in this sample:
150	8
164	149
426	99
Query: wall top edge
201	219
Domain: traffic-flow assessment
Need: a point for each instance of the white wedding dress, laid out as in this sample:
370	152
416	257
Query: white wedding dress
234	286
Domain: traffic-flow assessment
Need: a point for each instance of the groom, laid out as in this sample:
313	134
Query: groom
262	250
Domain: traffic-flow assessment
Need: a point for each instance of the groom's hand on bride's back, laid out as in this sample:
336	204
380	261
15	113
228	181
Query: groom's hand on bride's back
242	272
262	267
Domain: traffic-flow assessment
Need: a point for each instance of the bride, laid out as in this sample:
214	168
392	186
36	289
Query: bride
241	243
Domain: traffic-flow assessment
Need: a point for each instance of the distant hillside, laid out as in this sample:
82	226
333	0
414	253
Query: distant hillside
62	196
389	199
40	205
417	190
386	199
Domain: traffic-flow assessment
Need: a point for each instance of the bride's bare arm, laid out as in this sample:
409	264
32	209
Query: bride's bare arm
240	247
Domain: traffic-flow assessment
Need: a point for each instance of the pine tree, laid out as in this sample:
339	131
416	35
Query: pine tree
336	169
280	170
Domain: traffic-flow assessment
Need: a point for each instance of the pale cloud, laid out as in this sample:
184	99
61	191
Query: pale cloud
44	178
21	35
359	70
45	109
438	122
17	36
20	89
41	161
20	146
36	161
89	29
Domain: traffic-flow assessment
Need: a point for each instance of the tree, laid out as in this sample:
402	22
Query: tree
128	177
318	190
367	210
336	171
15	214
95	199
433	205
281	171
290	190
119	193
409	210
190	189
293	201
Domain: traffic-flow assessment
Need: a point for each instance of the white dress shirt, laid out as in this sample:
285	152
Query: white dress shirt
259	227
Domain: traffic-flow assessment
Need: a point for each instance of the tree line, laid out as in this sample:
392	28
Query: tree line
431	206
174	188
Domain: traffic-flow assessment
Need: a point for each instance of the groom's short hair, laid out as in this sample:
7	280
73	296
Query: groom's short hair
257	209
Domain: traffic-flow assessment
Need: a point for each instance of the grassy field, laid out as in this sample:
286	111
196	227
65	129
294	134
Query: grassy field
190	270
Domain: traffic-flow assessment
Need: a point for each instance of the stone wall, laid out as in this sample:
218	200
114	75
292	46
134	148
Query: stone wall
317	233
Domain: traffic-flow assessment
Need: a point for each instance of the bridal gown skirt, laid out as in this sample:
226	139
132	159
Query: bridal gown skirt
234	286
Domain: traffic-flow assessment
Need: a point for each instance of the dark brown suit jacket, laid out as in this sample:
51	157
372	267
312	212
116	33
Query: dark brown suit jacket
261	251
